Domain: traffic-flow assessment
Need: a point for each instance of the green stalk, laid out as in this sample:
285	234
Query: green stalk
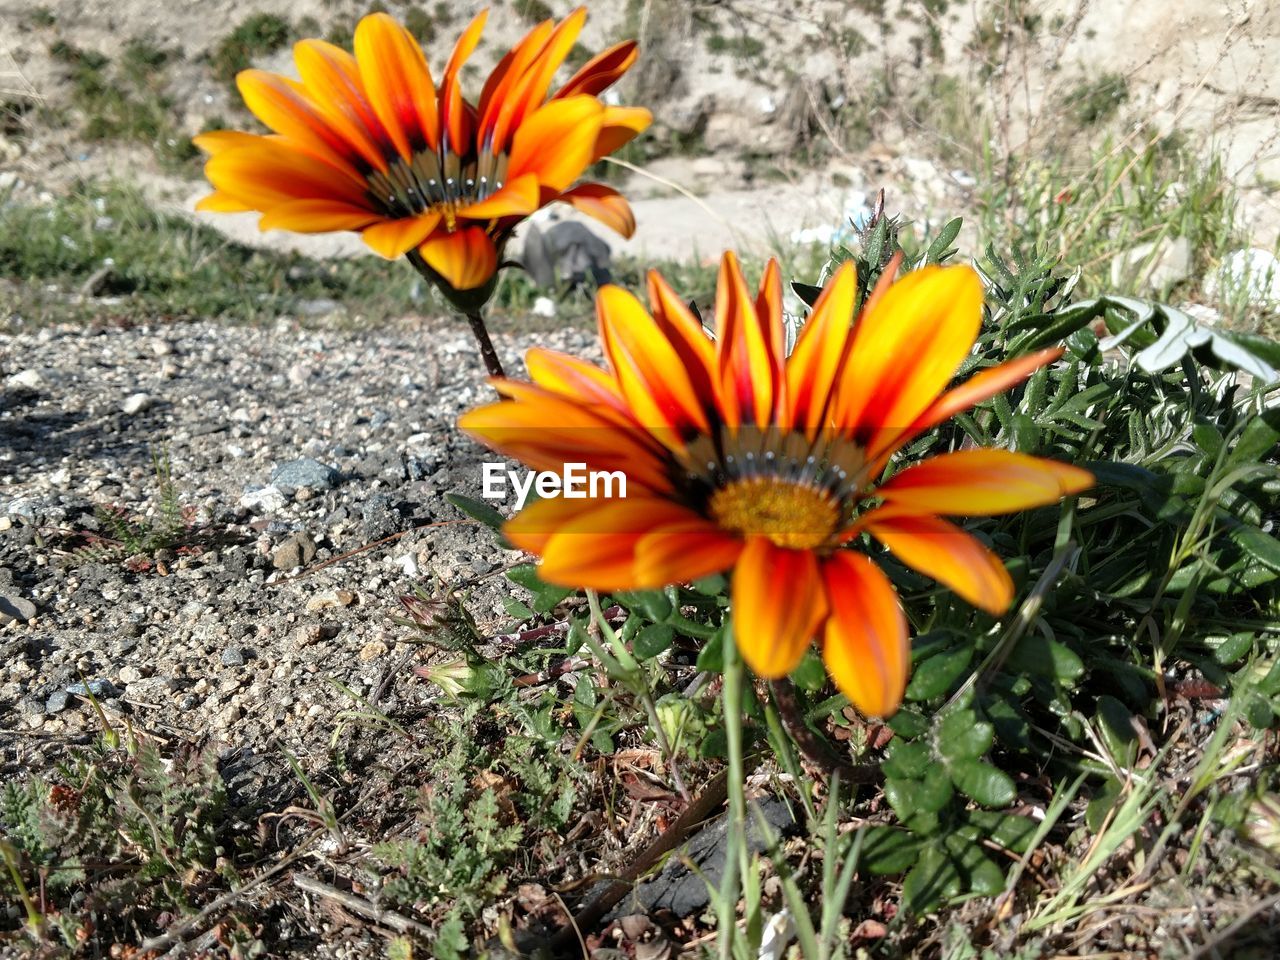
735	848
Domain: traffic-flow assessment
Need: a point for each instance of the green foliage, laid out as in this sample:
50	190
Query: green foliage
257	35
118	837
1094	100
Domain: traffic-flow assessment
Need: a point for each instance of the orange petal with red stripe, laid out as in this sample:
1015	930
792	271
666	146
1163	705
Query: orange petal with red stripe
317	216
332	81
604	204
982	483
395	238
865	644
905	350
398	83
778	605
678	553
285	107
620	126
657	388
455	117
572	378
517	198
815	362
943	551
269	172
465	258
601	71
557	141
749	369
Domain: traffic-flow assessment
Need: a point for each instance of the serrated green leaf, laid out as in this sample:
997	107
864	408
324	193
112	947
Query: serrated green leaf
652	640
984	783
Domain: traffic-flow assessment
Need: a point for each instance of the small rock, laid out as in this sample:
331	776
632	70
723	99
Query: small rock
264	500
305	472
161	347
30	379
16	609
372	650
232	657
130	674
334	598
1157	266
306	635
319	307
58	701
102	689
136	403
299	374
294	551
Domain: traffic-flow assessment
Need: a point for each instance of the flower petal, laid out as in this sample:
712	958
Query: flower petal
596	549
518	198
648	370
815	363
905	349
973	391
943	551
530	90
982	483
573	378
680	552
395	238
398	83
455	117
605	204
749	370
465	258
270	172
601	71
215	141
317	216
865	644
557	141
284	106
332	81
778	605
621	125
219	202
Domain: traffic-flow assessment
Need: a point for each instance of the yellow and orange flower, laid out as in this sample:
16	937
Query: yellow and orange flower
738	456
369	143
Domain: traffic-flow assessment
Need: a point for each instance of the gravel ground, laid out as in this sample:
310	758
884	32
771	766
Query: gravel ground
289	447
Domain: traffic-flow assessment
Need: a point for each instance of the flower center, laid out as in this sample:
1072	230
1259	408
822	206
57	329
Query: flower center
793	515
436	180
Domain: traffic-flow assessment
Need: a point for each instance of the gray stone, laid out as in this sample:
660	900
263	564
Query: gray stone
305	472
1156	266
102	689
293	551
232	657
684	891
16	609
379	517
58	701
267	499
136	403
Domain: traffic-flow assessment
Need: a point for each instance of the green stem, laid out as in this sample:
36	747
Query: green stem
726	919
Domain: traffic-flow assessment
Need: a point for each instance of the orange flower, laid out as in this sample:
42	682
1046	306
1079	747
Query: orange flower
369	143
737	456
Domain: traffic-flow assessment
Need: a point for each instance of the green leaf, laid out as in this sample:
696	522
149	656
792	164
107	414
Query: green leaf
977	872
711	586
934	676
888	849
1115	725
477	510
652	640
962	736
1010	830
1234	648
1258	440
1263	548
526	575
516	609
1103	802
653	604
711	657
933	879
549	598
906	760
908	723
1037	654
984	783
810	674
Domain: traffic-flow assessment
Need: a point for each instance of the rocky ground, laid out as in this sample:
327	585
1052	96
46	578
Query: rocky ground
290	448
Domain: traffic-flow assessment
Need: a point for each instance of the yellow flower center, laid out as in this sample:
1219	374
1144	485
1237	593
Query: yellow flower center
793	515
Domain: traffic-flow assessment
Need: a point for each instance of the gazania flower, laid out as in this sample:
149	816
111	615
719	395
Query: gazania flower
370	143
738	457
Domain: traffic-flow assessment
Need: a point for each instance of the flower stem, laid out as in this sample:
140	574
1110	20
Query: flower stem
490	355
726	920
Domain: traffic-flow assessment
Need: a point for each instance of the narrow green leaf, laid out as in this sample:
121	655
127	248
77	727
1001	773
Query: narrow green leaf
477	510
